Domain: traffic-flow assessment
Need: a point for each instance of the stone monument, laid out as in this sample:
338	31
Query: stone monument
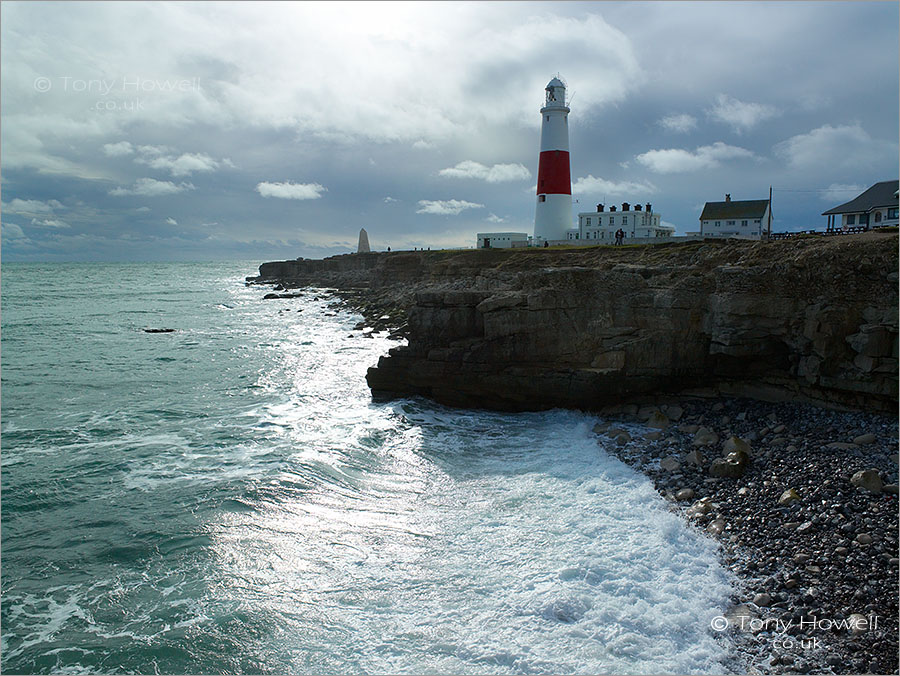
363	242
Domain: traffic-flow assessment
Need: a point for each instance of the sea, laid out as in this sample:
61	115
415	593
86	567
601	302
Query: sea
228	498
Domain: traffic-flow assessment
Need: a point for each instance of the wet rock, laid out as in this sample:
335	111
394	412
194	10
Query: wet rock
717	527
652	436
684	494
890	488
762	600
864	539
864	439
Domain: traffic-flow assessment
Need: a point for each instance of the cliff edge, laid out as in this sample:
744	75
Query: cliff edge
807	319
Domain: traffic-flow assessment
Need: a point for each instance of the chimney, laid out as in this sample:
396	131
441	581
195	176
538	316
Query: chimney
625	206
599	207
728	197
649	207
637	207
612	208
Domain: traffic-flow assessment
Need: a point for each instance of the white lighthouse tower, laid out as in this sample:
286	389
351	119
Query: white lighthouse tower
553	211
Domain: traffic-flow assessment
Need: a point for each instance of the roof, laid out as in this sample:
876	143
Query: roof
734	209
882	194
555	82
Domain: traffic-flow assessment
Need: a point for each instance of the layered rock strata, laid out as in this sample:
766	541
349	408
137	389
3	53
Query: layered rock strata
808	319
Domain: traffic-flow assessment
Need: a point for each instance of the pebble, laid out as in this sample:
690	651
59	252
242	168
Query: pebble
864	539
864	439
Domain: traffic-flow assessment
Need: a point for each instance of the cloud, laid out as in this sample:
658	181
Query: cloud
740	115
50	223
847	146
588	185
12	231
676	160
150	187
841	192
171	221
446	207
493	218
682	123
291	191
119	149
30	207
389	199
497	173
183	165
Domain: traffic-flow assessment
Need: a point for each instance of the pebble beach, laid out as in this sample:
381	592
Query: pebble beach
804	503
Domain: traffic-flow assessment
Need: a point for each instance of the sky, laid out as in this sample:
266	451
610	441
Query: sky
179	131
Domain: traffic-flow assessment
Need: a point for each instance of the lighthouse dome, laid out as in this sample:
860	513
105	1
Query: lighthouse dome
555	82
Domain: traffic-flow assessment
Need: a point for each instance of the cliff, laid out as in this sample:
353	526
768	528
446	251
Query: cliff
811	319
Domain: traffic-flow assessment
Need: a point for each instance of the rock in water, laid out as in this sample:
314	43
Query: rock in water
363	246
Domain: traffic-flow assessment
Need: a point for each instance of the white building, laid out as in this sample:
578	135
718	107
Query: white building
874	208
501	240
745	219
636	222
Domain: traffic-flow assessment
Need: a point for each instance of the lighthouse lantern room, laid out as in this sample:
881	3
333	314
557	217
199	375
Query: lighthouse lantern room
553	210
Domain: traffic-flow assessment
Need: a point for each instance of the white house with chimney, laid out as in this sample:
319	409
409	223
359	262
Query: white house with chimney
743	219
637	222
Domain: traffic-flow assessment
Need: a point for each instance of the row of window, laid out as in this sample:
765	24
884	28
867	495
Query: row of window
864	218
601	234
744	224
612	220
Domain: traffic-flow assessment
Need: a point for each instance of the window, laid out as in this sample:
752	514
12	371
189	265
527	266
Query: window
851	219
587	221
892	212
743	224
864	219
548	118
729	222
624	220
756	221
718	223
878	217
542	198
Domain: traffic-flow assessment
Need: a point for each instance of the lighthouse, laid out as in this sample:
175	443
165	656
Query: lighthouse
553	210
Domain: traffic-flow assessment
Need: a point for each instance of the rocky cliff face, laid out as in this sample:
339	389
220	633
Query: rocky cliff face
810	319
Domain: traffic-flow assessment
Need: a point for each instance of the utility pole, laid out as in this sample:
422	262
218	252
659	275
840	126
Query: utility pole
769	228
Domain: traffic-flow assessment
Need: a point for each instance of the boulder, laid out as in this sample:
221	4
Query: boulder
864	439
731	467
733	443
705	437
674	412
867	479
658	420
695	457
670	464
684	494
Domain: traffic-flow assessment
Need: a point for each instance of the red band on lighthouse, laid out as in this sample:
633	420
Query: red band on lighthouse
554	177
